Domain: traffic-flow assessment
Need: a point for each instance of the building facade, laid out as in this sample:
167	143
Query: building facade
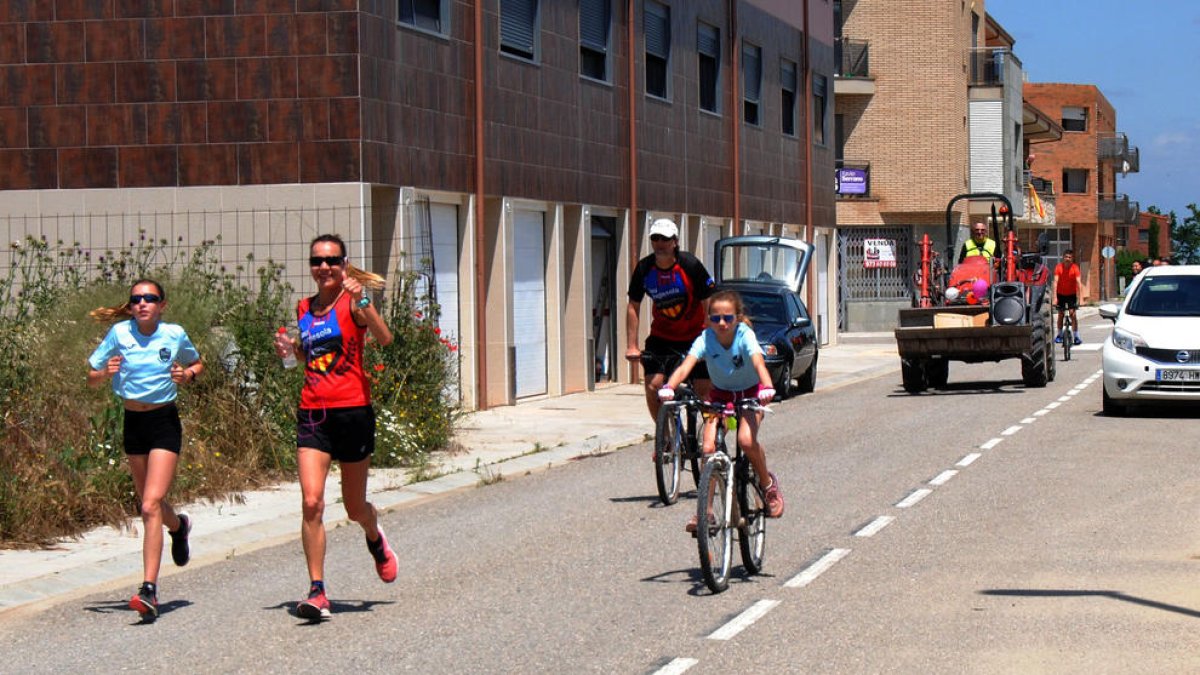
510	152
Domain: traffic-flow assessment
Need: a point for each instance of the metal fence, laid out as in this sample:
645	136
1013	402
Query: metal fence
857	282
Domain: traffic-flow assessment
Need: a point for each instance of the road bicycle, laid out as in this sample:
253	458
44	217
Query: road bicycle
675	436
728	498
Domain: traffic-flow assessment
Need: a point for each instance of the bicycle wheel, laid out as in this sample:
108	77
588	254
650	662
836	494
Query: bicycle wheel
1067	340
669	443
752	526
714	536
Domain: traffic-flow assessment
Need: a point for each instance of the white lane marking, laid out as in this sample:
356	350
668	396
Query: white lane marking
810	574
1041	412
943	477
677	666
1074	391
969	459
1011	430
875	526
1029	420
916	496
1062	399
1054	404
744	620
1089	347
991	444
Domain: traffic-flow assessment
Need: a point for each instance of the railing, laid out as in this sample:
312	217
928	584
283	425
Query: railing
852	58
987	66
1118	209
852	179
1114	148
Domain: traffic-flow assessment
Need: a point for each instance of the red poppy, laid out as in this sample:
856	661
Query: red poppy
379	367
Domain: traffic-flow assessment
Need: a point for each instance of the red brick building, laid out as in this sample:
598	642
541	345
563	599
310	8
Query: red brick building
1139	236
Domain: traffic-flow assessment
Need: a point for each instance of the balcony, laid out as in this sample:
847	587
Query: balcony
853	63
852	179
1113	148
1046	197
993	67
1118	209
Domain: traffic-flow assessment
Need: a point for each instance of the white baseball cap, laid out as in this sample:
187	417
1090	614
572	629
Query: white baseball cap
665	227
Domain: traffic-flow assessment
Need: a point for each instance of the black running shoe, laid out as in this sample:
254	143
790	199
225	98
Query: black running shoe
181	553
145	602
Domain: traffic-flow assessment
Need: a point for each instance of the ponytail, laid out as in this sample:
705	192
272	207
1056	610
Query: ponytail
111	314
367	279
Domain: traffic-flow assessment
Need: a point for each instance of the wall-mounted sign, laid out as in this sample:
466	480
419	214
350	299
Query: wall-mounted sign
879	253
851	181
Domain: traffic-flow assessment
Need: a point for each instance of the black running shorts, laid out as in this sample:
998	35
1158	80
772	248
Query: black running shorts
667	356
1066	302
347	434
153	429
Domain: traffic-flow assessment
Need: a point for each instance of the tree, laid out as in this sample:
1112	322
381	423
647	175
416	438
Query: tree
1185	236
1154	231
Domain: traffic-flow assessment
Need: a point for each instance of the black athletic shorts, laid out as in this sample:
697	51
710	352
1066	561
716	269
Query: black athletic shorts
668	355
147	430
347	434
1066	302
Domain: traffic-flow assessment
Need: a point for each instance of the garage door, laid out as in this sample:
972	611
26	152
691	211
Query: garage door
529	303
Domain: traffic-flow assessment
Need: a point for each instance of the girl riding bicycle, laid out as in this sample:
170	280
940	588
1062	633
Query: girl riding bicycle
735	364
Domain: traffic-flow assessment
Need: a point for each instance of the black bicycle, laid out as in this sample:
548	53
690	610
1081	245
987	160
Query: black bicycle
675	436
728	498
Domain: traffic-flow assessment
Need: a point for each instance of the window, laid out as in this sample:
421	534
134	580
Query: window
657	18
751	83
518	28
787	80
1075	181
1074	119
595	17
708	49
818	92
425	14
1143	236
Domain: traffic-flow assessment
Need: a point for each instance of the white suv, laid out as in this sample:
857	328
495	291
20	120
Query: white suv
1153	354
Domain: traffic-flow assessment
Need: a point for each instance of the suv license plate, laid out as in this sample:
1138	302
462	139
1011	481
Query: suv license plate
1164	375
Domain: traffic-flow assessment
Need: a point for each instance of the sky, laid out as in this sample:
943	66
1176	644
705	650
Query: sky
1144	55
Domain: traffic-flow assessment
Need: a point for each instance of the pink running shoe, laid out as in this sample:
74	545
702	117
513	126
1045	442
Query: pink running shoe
774	498
315	607
386	564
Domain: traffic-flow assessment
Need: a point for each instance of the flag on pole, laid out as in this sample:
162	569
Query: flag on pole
1036	203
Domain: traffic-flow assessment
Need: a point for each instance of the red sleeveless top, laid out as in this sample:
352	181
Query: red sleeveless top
333	348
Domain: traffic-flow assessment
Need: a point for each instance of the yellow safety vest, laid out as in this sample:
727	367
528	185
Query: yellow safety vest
989	248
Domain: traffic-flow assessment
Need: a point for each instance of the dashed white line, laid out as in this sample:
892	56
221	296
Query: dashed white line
1062	399
1011	430
1074	391
873	527
1043	411
808	575
1029	420
744	620
913	498
677	666
991	444
943	477
1054	404
969	459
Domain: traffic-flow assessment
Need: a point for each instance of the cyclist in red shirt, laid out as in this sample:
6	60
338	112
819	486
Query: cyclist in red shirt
1067	288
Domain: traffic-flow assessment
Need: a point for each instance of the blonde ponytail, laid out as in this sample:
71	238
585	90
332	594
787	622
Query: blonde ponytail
111	314
367	279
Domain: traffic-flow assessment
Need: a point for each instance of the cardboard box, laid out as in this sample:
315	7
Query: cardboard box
948	320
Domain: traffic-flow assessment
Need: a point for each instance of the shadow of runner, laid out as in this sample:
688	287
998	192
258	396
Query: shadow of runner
1068	593
123	606
335	607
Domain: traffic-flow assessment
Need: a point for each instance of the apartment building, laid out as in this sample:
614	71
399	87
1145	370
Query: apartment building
1093	218
511	151
1150	227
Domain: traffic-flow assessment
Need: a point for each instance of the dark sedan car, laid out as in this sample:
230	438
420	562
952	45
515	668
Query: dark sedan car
769	274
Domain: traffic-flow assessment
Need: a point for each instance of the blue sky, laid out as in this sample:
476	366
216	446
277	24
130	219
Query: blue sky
1144	55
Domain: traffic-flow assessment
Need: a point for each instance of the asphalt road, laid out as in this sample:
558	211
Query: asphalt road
1010	530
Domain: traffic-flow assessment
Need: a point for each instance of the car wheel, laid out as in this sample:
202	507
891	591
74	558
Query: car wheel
783	388
808	381
1111	407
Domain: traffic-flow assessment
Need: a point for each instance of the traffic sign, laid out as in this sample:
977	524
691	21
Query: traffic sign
1108	251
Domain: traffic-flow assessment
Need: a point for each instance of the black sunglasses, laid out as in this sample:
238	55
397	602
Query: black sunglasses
717	318
147	297
331	260
659	237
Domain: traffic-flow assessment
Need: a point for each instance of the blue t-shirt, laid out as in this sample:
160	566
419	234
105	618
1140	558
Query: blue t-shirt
145	373
729	369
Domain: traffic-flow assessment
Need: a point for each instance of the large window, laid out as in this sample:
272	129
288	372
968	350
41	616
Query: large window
708	49
751	84
657	19
518	28
425	14
787	83
819	107
1074	118
595	18
1075	181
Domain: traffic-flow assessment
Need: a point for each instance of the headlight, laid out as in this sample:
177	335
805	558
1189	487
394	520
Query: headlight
770	350
1127	341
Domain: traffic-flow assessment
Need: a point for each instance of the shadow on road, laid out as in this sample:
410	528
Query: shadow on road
1071	593
968	388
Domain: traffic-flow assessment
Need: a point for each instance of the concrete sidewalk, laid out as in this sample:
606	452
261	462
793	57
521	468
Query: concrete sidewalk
512	440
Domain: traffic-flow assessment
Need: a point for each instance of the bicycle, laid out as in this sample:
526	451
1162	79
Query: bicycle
675	437
738	503
1066	335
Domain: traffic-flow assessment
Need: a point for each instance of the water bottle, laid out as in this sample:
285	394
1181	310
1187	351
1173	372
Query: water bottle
289	359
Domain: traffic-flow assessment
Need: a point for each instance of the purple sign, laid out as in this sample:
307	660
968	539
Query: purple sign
852	181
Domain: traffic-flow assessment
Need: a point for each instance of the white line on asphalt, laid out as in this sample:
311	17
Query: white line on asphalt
1029	420
744	620
916	496
969	459
991	444
1062	399
1089	347
808	575
875	526
1074	391
943	477
1041	412
676	667
1011	430
1054	404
